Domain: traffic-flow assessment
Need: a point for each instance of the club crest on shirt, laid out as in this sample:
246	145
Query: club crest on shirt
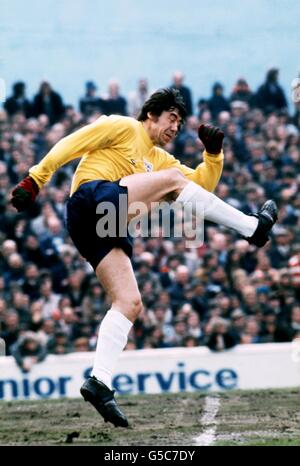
148	166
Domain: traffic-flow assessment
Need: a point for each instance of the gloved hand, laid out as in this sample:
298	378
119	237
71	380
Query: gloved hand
24	194
211	137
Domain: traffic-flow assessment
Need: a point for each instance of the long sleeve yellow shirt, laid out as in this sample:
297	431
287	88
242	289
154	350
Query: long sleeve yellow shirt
115	146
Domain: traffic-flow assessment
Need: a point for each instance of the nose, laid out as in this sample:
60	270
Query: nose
175	126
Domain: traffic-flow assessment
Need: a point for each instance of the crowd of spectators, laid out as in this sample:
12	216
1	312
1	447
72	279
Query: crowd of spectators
223	293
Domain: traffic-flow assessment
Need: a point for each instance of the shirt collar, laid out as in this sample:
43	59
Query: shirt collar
145	136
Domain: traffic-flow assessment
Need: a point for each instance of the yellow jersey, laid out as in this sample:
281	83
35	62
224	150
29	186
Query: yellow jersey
115	146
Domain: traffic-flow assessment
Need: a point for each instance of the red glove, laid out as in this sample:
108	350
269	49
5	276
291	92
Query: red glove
211	137
24	194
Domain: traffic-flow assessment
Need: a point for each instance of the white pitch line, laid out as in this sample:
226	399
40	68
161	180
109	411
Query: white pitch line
208	422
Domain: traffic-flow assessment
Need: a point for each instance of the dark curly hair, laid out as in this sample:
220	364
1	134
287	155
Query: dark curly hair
163	100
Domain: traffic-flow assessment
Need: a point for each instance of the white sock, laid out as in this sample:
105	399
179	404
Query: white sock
112	339
218	211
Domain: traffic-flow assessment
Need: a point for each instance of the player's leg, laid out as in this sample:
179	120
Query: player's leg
116	275
255	228
154	186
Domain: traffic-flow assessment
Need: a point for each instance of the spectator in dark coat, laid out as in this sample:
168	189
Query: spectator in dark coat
11	330
28	351
177	83
31	282
115	103
48	102
32	251
242	92
52	240
202	106
59	343
199	301
280	249
217	102
168	271
273	331
178	289
221	337
90	102
15	272
270	95
18	101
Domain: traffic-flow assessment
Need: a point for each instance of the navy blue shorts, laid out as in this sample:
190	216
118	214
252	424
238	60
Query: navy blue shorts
81	220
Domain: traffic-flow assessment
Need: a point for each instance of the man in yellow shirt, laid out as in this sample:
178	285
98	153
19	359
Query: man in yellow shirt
121	155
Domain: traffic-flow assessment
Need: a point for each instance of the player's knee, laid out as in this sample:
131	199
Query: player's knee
175	177
175	173
137	305
131	305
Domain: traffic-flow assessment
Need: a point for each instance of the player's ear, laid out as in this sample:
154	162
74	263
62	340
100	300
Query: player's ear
150	116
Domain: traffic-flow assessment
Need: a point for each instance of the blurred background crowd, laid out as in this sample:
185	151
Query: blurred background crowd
225	292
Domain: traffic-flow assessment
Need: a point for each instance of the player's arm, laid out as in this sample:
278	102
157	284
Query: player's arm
97	135
103	132
208	173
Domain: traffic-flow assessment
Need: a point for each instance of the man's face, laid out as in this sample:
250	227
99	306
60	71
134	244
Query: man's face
164	128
